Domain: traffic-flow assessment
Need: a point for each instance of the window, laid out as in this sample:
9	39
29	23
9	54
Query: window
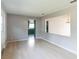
31	24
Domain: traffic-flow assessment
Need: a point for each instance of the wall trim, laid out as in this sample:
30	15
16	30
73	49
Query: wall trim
17	40
20	40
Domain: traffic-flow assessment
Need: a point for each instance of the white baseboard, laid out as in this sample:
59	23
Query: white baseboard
20	40
16	40
60	46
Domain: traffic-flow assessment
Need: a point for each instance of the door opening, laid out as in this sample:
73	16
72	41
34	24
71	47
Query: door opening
31	27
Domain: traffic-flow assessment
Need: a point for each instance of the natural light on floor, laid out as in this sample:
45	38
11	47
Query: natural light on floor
31	41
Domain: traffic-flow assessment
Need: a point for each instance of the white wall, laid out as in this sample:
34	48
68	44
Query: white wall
59	25
17	27
3	29
38	28
68	43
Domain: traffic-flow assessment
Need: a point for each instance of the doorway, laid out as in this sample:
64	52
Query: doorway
31	27
31	32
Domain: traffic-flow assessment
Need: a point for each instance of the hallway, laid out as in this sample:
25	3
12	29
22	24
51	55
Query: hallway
40	49
38	29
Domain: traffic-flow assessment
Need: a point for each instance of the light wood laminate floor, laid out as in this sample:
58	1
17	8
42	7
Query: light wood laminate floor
38	49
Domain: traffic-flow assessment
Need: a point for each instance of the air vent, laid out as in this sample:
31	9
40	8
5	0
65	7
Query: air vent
73	1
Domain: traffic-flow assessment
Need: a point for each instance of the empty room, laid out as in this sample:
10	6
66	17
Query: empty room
38	29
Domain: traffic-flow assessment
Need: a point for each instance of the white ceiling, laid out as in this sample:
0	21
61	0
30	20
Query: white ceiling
34	7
